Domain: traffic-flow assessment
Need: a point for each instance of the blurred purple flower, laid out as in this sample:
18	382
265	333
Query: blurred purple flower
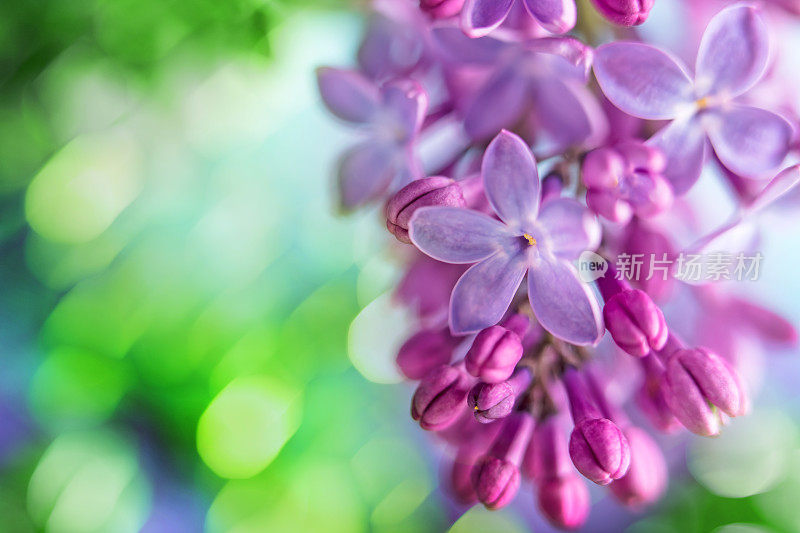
649	83
480	17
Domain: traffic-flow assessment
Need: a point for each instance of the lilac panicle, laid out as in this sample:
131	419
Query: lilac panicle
646	479
700	385
440	397
733	55
524	240
424	351
624	12
626	179
597	446
492	401
393	114
494	354
433	191
496	477
480	17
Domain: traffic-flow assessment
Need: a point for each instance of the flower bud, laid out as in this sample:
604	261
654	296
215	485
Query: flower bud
441	8
635	322
647	476
699	384
564	501
492	401
624	12
651	398
435	191
494	354
440	397
626	179
597	446
547	456
496	477
424	351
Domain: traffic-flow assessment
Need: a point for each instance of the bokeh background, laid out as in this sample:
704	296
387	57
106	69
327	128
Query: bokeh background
193	339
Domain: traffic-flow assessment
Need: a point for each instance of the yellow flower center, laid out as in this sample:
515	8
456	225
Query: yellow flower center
703	103
530	239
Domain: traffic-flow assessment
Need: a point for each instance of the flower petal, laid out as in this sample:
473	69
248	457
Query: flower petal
556	16
511	181
749	141
456	235
480	17
347	94
683	143
367	170
484	292
499	103
571	227
562	303
779	186
733	53
406	103
642	80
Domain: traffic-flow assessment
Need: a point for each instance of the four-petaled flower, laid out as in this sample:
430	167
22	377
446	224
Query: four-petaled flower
392	114
645	82
525	239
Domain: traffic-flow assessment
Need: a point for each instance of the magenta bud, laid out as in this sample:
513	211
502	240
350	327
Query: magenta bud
597	446
564	501
492	401
624	12
440	397
434	191
647	476
496	477
424	351
635	322
651	398
547	456
494	354
626	179
441	8
699	384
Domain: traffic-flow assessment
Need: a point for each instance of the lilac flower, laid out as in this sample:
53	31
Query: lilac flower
392	115
440	397
564	501
626	179
525	240
540	83
651	84
634	321
494	354
480	17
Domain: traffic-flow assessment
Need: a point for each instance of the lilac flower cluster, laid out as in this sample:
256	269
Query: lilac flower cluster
463	104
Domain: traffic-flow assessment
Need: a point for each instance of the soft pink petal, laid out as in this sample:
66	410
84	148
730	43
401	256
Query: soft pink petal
779	186
733	53
557	16
684	145
570	226
642	80
480	17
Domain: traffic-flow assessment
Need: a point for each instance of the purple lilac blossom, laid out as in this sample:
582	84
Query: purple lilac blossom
651	84
500	363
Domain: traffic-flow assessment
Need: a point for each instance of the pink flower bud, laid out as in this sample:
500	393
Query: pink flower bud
635	322
564	501
624	12
547	456
441	8
424	351
699	384
651	398
597	446
492	401
494	354
496	477
440	397
435	191
647	476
